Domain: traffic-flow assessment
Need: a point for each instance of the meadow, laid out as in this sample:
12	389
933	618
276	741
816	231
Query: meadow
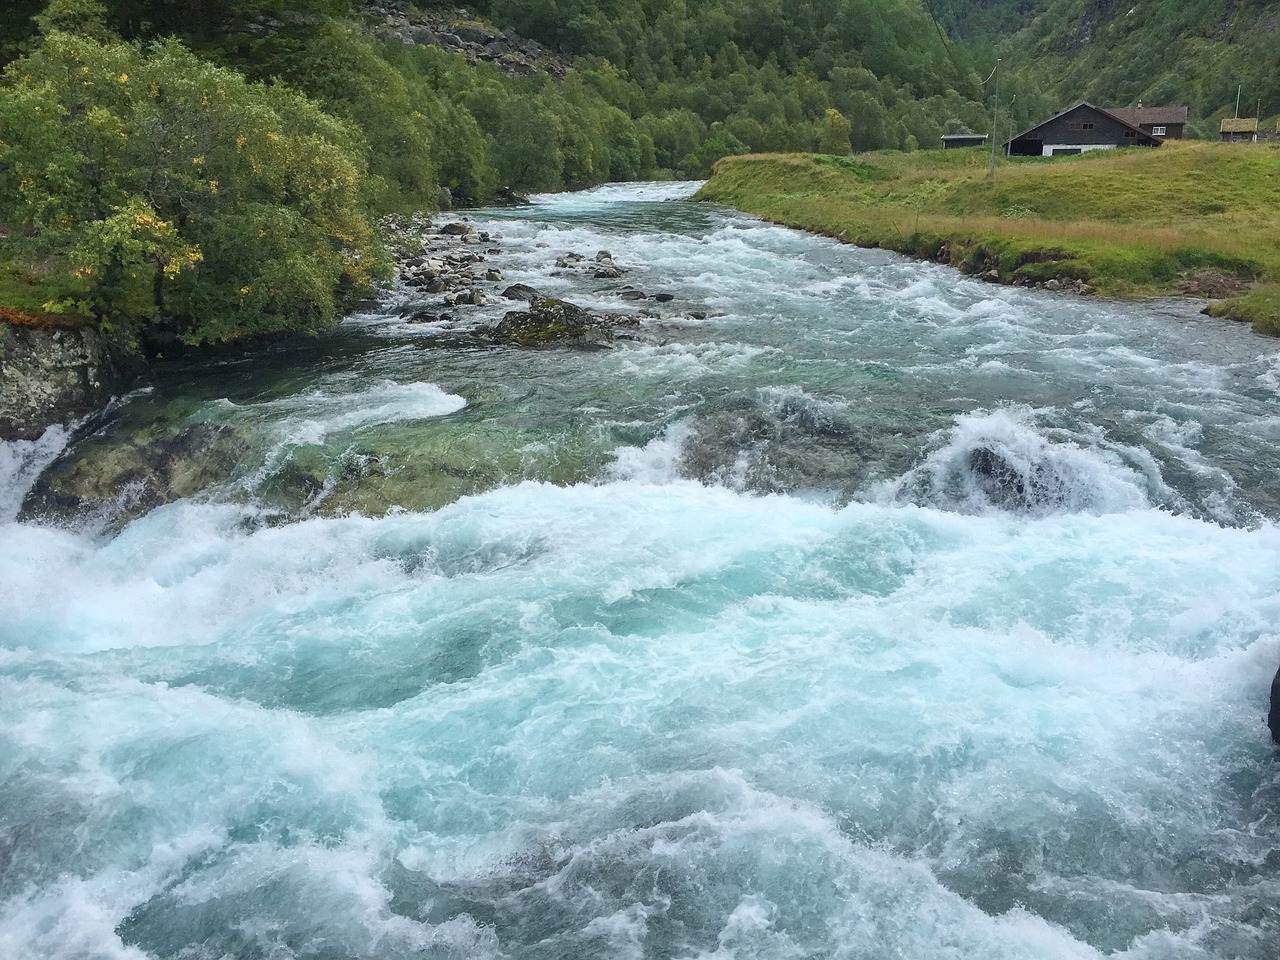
1194	218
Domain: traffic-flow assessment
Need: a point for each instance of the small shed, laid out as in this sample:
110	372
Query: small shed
1080	129
957	141
1240	130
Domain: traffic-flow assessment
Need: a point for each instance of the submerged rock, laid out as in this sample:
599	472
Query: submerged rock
772	450
552	321
120	481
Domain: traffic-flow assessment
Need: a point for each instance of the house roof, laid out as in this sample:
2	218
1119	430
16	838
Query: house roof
1150	116
1240	125
964	136
1139	134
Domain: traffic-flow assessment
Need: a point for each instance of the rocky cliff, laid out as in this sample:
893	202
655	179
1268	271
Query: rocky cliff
52	375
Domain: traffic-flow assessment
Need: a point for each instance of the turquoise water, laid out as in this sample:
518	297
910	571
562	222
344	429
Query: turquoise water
880	613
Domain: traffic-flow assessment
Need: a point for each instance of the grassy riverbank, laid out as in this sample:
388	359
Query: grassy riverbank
1195	218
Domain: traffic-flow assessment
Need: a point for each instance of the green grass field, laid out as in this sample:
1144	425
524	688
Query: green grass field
1187	217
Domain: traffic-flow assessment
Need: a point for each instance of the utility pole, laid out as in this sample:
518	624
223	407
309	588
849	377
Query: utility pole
995	113
1008	144
1239	90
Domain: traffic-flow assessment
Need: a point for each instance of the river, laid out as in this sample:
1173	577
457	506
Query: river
856	609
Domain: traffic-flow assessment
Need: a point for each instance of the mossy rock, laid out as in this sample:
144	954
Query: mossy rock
121	481
551	321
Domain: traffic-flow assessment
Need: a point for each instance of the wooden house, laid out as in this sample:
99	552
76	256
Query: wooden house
1080	129
1167	122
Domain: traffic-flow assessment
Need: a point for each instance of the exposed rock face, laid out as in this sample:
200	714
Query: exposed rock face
457	32
552	321
51	375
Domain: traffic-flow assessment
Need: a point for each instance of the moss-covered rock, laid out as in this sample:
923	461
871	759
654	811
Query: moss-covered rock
551	321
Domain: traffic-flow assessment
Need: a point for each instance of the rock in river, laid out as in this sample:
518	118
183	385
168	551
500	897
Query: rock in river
552	321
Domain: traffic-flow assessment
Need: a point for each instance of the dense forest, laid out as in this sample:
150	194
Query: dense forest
210	169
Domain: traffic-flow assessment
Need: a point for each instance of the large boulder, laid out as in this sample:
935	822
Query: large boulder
117	480
521	291
54	375
550	321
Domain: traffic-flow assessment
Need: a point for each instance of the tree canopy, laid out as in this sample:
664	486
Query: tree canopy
185	201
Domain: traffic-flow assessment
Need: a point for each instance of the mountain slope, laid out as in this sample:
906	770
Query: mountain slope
1117	52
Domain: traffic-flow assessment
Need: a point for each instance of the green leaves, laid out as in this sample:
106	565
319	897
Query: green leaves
188	202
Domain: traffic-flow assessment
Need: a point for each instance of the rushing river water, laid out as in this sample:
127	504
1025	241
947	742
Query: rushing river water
876	613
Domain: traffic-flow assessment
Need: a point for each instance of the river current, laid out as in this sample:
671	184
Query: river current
856	609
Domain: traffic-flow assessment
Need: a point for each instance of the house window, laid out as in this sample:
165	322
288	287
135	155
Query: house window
1086	126
1157	131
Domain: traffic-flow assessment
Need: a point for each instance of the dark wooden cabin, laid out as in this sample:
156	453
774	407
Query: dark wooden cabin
1080	129
1166	122
958	141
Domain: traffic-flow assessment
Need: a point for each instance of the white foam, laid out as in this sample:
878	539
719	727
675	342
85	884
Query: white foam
21	463
999	460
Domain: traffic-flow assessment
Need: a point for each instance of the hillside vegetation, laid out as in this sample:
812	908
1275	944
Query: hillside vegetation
213	169
1187	217
1116	52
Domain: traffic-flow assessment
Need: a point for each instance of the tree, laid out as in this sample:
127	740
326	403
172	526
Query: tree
834	135
187	202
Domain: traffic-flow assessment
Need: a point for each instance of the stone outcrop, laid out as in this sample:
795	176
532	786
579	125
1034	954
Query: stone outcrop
54	375
458	32
552	321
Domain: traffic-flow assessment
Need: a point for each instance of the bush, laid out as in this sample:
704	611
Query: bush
188	202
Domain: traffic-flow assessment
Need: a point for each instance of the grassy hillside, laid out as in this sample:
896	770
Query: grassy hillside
1188	217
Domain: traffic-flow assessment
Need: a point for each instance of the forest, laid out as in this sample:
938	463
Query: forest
211	169
204	170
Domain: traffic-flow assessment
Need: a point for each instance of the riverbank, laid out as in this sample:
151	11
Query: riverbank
1193	219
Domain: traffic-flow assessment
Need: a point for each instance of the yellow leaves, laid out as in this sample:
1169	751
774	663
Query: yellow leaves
183	260
124	78
240	142
197	161
213	186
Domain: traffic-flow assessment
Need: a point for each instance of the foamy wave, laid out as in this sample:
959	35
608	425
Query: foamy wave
1001	461
21	462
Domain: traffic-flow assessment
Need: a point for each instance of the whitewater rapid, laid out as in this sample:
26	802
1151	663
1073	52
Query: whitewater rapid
870	612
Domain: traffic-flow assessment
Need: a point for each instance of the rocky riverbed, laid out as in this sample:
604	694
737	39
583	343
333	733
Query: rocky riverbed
450	286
